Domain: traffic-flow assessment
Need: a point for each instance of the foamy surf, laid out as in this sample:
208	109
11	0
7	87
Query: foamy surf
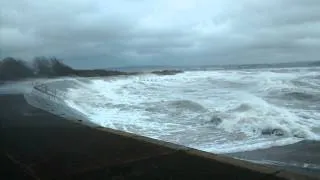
215	111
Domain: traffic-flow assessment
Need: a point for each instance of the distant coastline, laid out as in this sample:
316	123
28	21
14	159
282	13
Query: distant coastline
12	69
225	66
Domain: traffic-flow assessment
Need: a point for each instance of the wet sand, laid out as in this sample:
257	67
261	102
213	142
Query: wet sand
39	145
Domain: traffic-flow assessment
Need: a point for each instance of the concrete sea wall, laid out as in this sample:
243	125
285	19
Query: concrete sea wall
45	144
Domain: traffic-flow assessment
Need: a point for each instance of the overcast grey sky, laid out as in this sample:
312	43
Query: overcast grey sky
104	33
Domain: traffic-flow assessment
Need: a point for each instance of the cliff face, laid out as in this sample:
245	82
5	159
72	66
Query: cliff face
12	69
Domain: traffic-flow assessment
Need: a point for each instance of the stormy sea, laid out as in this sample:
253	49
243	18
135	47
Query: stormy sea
262	115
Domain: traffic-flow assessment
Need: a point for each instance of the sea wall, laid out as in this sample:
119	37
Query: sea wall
52	100
46	145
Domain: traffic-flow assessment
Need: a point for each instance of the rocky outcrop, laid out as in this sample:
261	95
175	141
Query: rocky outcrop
273	131
167	72
98	72
215	120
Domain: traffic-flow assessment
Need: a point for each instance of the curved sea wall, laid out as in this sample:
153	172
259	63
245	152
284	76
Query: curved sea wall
52	100
74	151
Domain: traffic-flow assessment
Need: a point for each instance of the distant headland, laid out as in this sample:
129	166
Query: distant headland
12	69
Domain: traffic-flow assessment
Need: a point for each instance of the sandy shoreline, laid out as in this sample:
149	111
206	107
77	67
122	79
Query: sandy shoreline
51	147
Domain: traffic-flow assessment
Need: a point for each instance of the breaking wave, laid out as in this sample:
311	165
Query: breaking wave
216	111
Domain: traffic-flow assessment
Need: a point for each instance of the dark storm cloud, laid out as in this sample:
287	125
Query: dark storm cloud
177	32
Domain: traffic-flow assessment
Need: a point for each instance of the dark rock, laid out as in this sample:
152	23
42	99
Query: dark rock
98	72
167	72
270	131
299	135
215	120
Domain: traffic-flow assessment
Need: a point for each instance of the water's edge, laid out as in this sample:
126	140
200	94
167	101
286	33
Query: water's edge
291	157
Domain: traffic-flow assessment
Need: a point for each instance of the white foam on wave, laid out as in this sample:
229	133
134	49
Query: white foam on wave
248	145
154	106
286	164
264	115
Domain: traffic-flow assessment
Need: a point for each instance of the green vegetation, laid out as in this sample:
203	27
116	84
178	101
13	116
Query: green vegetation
14	69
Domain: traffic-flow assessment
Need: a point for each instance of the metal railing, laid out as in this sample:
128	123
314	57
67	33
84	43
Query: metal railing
52	93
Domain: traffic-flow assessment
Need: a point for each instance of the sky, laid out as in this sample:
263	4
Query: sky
109	33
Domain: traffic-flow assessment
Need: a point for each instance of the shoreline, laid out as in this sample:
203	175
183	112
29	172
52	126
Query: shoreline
302	157
55	148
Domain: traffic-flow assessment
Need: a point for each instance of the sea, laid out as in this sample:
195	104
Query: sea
264	115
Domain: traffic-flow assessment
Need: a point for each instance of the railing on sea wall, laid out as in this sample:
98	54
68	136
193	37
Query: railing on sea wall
52	93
